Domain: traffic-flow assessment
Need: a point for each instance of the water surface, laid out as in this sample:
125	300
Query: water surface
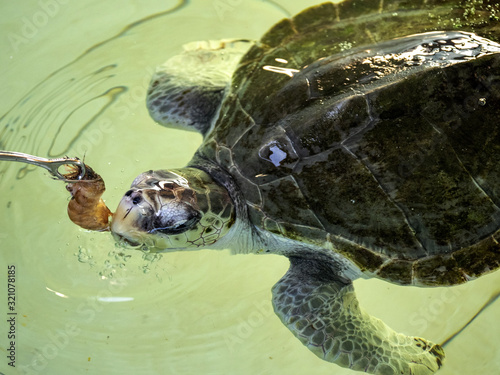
74	83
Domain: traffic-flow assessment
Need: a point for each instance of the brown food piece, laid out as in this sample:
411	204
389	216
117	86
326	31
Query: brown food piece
86	208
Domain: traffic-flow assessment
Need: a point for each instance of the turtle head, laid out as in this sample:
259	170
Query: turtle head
173	210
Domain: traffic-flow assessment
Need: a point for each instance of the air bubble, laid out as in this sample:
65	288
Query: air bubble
482	101
84	256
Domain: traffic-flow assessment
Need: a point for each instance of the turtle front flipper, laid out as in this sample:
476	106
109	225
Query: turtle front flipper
187	90
321	310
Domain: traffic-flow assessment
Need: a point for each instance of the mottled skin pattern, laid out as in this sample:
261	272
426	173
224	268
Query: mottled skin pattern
324	314
173	209
188	83
348	158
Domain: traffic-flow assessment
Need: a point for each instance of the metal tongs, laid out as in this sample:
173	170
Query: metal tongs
52	165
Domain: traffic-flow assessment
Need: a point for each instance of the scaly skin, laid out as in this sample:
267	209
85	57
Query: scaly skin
322	311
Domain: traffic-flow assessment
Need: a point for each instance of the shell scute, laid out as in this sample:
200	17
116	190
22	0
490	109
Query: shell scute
342	179
397	169
316	18
399	271
278	33
295	202
438	270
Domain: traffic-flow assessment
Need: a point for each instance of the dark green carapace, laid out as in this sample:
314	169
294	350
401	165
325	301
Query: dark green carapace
384	144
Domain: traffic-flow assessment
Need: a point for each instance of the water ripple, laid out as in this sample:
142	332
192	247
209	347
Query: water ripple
57	112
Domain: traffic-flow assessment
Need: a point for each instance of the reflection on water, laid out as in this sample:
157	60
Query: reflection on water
85	306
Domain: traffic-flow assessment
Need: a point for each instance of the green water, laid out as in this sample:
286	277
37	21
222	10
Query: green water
74	77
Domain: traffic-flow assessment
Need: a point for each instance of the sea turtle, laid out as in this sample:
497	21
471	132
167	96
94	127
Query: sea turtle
356	139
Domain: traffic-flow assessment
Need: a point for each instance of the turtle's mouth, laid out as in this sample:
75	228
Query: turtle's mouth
151	245
122	240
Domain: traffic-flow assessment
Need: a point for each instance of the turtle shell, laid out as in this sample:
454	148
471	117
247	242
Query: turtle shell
336	140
